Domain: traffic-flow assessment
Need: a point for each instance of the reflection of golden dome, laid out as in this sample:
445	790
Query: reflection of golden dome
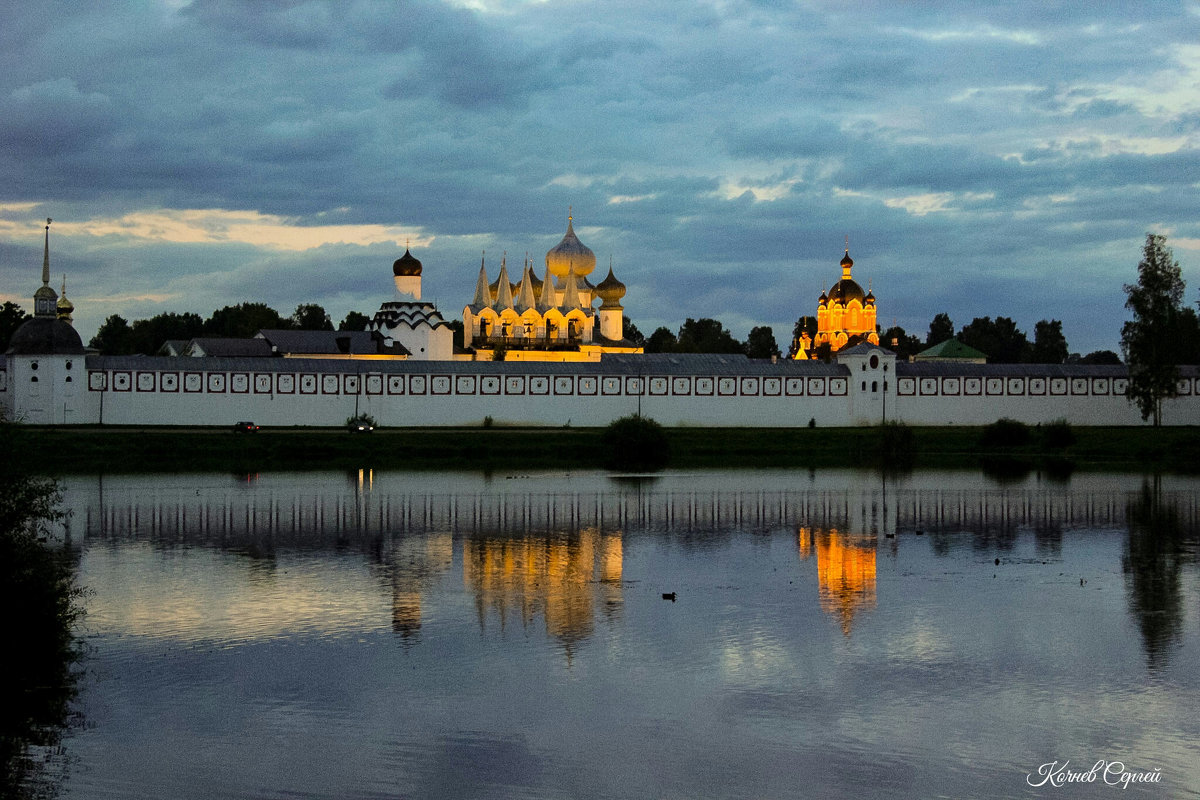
570	254
845	576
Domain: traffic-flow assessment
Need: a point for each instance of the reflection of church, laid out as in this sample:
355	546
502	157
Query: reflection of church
845	571
845	317
560	576
553	318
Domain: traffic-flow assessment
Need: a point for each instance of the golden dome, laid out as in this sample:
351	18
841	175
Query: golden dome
610	291
570	254
65	308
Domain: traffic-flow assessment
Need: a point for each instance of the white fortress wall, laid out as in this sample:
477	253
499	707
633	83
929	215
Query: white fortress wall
675	390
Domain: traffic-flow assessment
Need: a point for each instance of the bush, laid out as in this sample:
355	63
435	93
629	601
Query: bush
1005	433
635	443
1057	435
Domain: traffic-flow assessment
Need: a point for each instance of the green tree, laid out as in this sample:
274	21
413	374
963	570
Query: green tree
1001	340
41	603
114	337
661	341
147	335
242	321
706	335
1100	357
456	329
11	317
630	332
902	343
761	343
354	321
1049	343
941	329
1150	341
310	317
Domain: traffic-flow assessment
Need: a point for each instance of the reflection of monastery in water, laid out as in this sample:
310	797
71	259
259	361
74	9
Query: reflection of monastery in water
558	550
845	571
566	578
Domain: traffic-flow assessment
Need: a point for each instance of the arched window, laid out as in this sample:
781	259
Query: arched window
874	386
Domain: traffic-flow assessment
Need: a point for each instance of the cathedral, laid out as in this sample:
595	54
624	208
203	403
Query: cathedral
845	317
553	318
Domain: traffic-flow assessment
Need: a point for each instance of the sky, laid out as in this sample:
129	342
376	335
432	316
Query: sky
984	159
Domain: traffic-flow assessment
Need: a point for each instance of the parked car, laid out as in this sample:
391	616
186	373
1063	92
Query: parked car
245	426
363	423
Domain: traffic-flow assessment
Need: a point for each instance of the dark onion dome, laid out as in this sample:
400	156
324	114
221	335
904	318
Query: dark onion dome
870	299
610	291
570	254
845	290
406	266
823	299
45	336
847	261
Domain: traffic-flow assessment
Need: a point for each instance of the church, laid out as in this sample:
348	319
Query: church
553	318
845	317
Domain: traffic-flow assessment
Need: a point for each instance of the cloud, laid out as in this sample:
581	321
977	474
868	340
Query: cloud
717	151
219	226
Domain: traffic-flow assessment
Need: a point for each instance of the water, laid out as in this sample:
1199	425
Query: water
833	634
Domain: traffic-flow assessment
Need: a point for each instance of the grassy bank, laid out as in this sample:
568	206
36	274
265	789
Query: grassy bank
86	450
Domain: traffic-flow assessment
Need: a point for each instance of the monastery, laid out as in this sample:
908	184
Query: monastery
564	364
548	319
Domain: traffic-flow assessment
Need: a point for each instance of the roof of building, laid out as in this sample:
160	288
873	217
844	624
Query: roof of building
951	349
972	369
45	336
406	265
845	290
287	343
570	253
861	348
230	348
415	313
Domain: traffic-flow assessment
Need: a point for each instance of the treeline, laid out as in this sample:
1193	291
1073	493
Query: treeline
999	339
704	335
116	336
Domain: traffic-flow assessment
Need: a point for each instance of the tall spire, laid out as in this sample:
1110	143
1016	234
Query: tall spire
525	299
546	301
483	295
44	299
46	256
570	291
504	298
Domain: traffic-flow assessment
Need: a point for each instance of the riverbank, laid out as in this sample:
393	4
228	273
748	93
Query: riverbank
119	449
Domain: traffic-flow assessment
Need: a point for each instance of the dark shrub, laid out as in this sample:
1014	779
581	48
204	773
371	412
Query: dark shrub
635	443
896	446
1005	433
1057	435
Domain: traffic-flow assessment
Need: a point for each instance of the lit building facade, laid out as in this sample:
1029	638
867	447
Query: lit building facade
845	317
554	318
